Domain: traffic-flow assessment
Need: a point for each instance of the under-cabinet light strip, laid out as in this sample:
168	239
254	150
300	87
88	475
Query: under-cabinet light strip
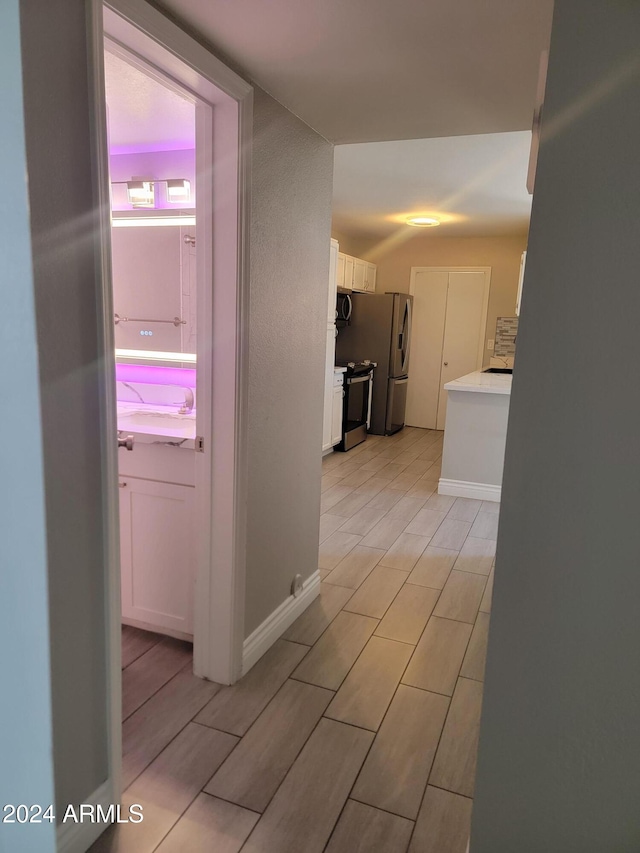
132	222
151	355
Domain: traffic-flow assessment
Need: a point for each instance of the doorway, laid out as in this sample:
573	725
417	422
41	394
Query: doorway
223	110
449	319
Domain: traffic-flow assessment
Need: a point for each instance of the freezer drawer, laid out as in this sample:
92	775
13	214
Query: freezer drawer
396	404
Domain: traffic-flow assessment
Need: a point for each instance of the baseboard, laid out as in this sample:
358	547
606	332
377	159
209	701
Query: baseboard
463	489
75	837
277	623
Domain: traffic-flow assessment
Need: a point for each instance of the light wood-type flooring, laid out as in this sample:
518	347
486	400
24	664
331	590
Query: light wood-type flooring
357	732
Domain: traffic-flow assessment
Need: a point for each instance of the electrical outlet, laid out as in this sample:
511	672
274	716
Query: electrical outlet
491	343
296	585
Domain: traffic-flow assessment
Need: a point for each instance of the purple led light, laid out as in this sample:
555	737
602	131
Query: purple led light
153	375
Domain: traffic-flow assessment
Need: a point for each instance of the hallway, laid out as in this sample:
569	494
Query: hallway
358	730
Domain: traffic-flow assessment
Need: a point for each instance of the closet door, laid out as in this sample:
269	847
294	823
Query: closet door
427	337
449	319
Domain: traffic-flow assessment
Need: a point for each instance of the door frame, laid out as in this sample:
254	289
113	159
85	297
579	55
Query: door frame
485	308
221	517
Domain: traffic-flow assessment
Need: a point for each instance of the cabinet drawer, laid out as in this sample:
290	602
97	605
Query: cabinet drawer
158	462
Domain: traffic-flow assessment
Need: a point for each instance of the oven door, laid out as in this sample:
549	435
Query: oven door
396	404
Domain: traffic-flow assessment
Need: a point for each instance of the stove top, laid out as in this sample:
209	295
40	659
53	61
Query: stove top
355	368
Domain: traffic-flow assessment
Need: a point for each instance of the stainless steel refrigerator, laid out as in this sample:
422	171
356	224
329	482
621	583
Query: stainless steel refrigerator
380	330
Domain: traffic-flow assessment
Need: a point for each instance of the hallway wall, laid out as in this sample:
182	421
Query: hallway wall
290	234
558	768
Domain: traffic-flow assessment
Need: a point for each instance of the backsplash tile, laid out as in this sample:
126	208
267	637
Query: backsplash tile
506	331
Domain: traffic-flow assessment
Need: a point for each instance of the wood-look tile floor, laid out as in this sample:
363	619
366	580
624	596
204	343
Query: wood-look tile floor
357	731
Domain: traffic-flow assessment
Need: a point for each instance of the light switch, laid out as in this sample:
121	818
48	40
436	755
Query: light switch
490	343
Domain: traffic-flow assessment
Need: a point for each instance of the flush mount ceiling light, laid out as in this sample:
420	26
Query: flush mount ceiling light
422	221
140	193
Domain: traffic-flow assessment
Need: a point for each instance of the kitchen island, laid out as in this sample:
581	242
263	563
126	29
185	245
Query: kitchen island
475	435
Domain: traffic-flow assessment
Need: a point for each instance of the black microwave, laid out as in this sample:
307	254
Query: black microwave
343	308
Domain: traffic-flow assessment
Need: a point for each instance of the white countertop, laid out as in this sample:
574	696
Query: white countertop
339	369
157	424
483	383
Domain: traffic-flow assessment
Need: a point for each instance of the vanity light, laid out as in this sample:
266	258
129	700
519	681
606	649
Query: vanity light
178	190
423	221
154	221
150	355
140	193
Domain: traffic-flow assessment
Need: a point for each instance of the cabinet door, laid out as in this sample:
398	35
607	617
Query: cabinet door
331	293
348	272
359	274
157	553
370	278
340	269
523	261
330	360
336	415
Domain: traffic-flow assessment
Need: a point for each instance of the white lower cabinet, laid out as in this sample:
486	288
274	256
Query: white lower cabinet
336	409
157	554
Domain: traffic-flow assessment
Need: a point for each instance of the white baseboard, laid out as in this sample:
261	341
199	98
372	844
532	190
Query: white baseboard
75	837
463	489
277	623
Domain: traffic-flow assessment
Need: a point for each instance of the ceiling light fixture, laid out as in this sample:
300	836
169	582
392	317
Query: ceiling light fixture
423	221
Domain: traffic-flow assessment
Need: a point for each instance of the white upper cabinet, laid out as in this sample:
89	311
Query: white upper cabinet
355	274
370	278
348	272
359	274
340	268
331	294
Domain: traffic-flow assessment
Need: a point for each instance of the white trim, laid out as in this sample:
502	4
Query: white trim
219	616
277	623
108	416
72	837
464	489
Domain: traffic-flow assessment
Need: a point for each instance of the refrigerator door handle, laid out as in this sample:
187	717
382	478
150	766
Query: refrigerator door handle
406	335
401	381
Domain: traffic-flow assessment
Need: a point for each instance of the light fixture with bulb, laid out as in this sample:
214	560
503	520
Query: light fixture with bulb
141	191
422	221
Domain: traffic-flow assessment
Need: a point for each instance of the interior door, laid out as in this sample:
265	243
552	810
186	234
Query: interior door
463	332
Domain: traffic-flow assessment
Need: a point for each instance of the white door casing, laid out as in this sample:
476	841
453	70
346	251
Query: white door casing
449	321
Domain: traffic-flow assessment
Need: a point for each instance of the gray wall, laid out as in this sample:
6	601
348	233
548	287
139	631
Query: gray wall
26	766
290	234
559	766
58	153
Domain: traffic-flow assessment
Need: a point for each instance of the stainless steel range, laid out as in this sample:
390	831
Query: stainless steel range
356	410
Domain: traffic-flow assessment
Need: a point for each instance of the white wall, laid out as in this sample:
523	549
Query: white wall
560	737
26	766
290	237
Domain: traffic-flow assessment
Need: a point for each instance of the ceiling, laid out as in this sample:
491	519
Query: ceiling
373	70
144	114
475	184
